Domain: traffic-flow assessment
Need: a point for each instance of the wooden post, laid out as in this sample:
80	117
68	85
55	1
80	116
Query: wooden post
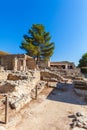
6	110
36	92
47	84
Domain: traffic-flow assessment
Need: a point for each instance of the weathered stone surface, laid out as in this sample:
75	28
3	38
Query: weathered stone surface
17	62
80	84
3	75
69	73
21	86
1	68
40	86
80	87
19	90
79	121
51	76
7	87
16	77
52	84
79	78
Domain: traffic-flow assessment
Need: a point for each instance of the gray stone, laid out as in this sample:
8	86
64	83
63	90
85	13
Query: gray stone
79	121
78	114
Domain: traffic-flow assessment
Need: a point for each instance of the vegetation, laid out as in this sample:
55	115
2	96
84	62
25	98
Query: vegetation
37	43
83	63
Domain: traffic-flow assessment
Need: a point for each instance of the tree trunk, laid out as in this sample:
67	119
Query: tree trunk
37	62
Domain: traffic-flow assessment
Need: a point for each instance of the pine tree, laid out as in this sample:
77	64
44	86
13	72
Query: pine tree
37	43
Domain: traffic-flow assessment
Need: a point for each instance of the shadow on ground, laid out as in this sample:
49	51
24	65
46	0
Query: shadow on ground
65	93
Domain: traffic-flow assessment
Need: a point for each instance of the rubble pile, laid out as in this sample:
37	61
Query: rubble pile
20	86
68	73
79	121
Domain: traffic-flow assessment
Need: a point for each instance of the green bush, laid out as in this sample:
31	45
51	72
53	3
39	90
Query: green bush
84	70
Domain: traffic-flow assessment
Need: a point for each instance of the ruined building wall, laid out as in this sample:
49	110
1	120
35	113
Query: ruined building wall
30	63
44	63
7	62
20	62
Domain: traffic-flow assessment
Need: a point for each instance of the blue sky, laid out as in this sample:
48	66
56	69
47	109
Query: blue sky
66	20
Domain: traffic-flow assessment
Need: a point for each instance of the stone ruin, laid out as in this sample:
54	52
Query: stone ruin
80	87
17	62
79	121
20	86
19	77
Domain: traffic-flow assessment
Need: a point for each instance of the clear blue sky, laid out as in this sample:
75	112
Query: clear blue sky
66	20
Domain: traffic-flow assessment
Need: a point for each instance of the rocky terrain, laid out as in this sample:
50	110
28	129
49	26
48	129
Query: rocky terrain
63	100
20	87
53	109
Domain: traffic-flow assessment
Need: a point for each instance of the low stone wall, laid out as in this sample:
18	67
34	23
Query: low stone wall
16	77
80	84
80	87
20	87
51	76
68	73
31	64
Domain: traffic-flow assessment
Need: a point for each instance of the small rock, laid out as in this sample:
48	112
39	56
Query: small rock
79	124
78	114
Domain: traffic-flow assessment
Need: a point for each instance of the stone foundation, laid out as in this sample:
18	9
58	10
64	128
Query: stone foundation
20	86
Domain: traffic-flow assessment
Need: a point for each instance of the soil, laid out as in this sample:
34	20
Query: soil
51	110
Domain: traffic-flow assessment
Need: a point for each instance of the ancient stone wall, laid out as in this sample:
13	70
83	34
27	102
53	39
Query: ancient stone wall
44	64
70	73
20	62
30	63
7	61
62	65
19	86
51	76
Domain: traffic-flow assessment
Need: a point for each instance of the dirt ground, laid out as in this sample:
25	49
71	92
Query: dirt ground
51	111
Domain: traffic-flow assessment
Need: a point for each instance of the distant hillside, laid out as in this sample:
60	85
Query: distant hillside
3	53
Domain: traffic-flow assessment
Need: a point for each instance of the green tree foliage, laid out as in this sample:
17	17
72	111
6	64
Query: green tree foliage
83	63
37	43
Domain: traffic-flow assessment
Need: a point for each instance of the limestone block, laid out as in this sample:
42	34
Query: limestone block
80	84
16	77
19	86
